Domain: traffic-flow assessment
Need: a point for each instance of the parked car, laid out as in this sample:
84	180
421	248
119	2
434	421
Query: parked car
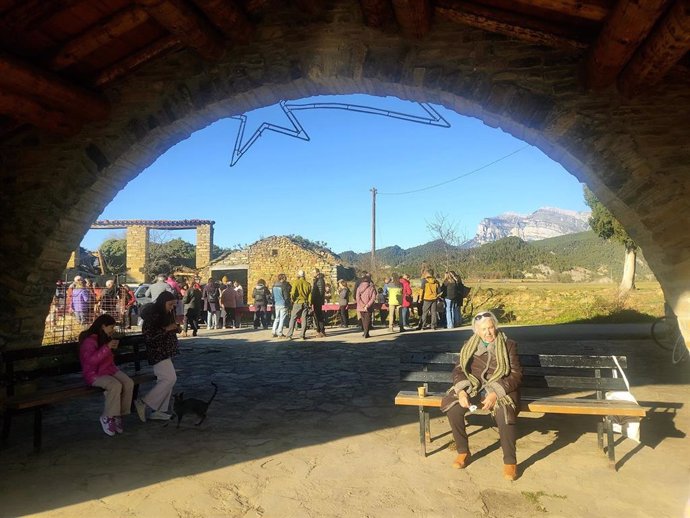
140	295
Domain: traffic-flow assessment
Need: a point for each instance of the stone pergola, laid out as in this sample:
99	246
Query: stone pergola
92	93
138	241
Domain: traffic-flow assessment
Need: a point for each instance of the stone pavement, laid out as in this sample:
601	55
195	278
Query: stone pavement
308	428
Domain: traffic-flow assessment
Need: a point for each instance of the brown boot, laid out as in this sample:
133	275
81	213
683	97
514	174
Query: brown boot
510	471
462	460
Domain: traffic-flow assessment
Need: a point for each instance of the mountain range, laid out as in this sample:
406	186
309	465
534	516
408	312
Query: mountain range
541	224
512	246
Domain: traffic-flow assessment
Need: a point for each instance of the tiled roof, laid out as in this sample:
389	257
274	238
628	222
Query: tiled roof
181	224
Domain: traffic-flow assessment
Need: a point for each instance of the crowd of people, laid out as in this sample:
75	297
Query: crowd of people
280	307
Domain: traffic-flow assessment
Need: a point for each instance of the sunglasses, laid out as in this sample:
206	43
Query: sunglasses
482	315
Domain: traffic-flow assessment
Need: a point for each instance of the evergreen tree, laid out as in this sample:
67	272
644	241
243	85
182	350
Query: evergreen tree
609	228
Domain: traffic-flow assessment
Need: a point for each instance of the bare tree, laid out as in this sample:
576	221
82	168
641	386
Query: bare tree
446	231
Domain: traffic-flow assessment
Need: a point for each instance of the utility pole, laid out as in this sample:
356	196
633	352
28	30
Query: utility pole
373	228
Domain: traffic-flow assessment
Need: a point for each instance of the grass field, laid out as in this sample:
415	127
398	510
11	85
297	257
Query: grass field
533	302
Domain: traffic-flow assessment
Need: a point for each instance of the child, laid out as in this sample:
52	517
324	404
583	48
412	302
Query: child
99	370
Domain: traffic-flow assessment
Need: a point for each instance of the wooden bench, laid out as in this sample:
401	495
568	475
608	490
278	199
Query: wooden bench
40	376
549	381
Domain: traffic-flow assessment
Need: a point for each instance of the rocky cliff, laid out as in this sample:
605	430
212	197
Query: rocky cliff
541	224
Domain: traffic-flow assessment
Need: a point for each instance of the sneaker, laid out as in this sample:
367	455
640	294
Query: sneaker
141	409
119	428
160	416
107	423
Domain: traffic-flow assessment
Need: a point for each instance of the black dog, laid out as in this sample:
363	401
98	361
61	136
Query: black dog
183	406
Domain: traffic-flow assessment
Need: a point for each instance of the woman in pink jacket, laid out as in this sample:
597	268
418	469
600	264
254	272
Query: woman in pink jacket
365	298
99	370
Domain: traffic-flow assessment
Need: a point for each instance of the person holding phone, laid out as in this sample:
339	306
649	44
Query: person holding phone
96	347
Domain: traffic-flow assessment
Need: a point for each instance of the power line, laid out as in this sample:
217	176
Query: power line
457	177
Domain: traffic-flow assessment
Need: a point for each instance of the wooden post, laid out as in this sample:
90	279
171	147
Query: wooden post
373	229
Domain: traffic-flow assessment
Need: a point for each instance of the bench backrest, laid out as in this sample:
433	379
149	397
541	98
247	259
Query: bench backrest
552	372
25	365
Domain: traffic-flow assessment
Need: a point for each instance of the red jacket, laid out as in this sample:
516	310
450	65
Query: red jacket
95	361
406	292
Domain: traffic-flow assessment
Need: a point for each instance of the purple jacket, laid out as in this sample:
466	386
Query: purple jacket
365	296
82	299
95	361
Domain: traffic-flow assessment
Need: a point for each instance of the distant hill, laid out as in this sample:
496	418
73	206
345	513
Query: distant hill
575	257
541	224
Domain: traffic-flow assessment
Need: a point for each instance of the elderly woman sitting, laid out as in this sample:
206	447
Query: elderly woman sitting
488	375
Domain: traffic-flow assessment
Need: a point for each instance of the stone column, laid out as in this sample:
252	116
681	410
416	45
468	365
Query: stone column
137	253
204	245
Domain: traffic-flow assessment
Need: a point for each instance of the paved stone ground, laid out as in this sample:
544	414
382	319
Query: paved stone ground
308	428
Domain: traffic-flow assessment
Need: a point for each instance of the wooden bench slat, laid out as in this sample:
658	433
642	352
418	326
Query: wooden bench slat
581	361
549	405
528	381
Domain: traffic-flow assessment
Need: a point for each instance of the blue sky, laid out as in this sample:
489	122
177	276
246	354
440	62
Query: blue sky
321	189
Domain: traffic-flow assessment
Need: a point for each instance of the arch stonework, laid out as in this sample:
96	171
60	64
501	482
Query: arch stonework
633	154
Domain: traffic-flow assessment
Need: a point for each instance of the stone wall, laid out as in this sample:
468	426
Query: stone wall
204	245
632	153
279	254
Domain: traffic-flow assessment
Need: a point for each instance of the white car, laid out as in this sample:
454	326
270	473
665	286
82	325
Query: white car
140	295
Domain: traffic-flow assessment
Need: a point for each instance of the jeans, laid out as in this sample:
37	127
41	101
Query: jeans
429	306
451	312
213	320
405	317
281	312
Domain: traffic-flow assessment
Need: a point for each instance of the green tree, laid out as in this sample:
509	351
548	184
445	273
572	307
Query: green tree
114	253
608	227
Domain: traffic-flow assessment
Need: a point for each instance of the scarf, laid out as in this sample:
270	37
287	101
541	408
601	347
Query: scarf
502	362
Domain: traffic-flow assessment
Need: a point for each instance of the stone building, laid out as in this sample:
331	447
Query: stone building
268	257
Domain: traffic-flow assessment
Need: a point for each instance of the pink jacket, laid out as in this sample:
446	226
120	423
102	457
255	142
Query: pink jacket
95	361
365	296
406	292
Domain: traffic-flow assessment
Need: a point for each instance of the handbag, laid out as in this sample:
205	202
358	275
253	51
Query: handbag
626	426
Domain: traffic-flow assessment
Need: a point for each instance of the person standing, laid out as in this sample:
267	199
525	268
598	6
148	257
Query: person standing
260	296
430	293
343	301
300	296
318	297
82	302
281	301
489	374
394	302
239	303
365	298
211	297
99	370
192	308
228	300
406	301
450	295
159	287
108	300
160	335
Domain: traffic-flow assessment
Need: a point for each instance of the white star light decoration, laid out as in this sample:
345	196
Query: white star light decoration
297	131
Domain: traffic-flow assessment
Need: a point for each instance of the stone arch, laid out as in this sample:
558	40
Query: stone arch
626	151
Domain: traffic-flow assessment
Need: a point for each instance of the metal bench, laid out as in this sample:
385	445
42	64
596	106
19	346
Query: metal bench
40	376
549	381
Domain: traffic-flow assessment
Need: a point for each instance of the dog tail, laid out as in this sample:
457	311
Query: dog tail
215	391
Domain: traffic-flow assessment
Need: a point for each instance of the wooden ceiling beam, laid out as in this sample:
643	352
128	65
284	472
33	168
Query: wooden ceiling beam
229	18
30	14
135	60
508	24
629	24
24	109
413	16
51	90
182	20
377	13
98	36
665	46
595	10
